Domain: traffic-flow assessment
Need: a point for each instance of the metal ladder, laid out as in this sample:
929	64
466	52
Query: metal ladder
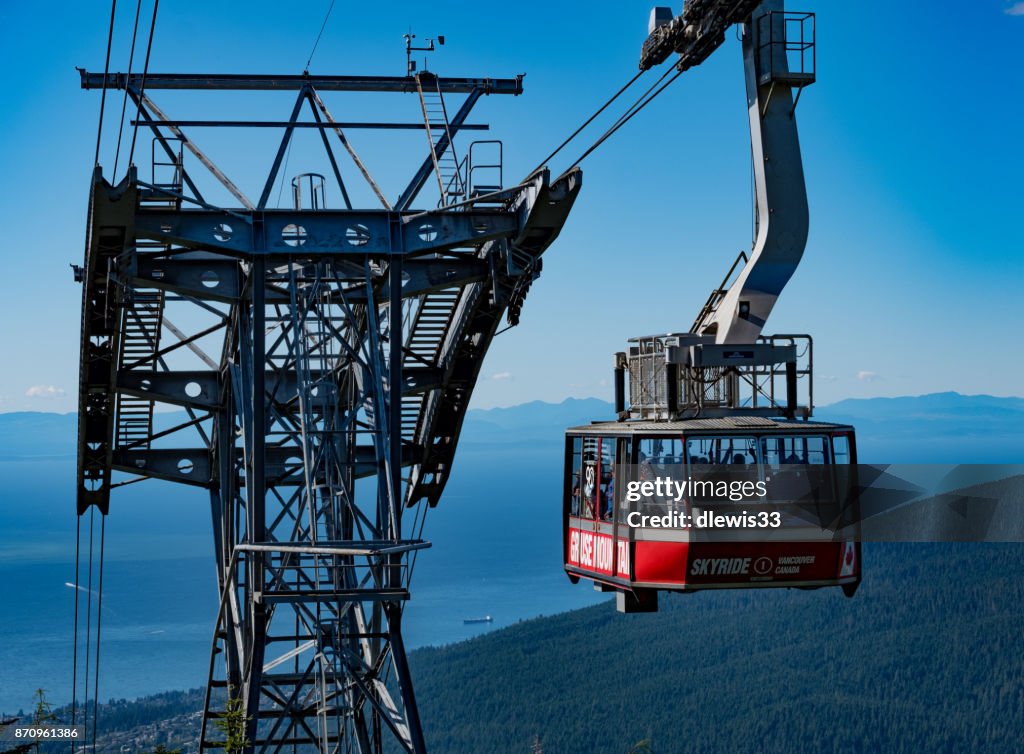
446	163
423	347
493	171
715	297
167	173
140	339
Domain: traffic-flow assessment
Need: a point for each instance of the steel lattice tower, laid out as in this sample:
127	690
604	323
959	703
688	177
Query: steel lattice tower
324	359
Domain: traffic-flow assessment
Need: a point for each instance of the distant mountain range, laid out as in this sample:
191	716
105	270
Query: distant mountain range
32	434
533	422
935	428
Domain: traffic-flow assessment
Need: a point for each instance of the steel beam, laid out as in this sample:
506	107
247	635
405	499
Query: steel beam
243	82
202	389
213	278
357	232
380	126
216	278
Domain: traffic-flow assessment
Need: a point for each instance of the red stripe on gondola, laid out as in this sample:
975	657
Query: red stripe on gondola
660	562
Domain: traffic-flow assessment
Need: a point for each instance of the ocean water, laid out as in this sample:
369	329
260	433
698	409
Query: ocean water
496	551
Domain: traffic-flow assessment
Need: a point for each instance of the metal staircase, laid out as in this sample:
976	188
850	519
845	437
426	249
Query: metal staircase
423	346
140	341
716	296
442	149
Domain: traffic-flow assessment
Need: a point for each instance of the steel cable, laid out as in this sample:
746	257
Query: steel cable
106	72
589	120
124	100
88	622
320	34
637	106
142	88
74	651
99	615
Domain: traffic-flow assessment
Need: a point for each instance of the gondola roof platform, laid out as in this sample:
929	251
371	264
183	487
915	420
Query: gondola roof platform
716	424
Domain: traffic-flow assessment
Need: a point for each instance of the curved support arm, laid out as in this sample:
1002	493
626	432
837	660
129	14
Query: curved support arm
781	196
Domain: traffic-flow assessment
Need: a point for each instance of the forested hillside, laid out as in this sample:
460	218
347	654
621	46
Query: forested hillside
927	657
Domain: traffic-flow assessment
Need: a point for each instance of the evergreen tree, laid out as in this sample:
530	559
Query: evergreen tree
42	714
233	725
161	749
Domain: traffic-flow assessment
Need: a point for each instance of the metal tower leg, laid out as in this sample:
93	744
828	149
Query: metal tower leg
313	571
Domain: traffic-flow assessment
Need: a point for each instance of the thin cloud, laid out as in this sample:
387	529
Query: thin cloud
44	391
502	376
866	376
1017	9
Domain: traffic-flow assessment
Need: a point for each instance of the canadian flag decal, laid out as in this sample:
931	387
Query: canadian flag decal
849	560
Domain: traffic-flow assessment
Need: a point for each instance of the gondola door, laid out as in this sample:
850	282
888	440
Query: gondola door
619	507
591	533
604	507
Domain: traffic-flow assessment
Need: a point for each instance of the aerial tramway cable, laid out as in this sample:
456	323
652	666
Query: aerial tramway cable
74	651
106	72
124	100
88	620
92	662
99	616
145	72
589	120
639	104
642	102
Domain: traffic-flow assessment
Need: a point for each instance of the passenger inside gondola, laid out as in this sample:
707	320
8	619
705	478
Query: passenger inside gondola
723	459
589	496
800	473
574	508
608	496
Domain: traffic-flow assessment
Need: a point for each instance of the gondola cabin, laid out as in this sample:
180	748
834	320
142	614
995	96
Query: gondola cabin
733	499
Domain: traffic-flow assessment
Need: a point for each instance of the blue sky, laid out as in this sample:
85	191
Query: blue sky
911	140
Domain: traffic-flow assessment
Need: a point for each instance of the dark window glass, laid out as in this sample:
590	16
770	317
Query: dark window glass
577	465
